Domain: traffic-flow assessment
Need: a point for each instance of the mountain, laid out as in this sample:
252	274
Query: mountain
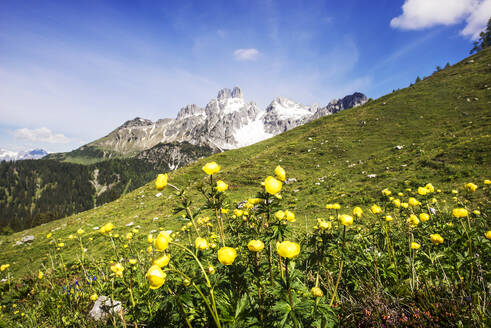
7	155
226	122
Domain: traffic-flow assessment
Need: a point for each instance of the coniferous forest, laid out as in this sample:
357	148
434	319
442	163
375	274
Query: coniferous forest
33	192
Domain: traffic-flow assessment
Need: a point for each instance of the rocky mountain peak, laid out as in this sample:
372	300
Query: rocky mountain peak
227	93
190	110
137	121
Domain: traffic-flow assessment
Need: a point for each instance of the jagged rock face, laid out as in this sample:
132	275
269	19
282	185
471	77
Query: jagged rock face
171	156
226	122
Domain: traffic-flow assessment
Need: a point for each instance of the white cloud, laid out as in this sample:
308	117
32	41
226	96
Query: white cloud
246	54
40	135
419	14
477	20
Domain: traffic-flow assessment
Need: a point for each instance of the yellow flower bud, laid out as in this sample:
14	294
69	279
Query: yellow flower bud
357	211
280	173
288	249
336	206
272	185
40	275
149	249
132	261
71	237
316	292
487	181
162	261
49	235
201	243
221	186
404	205
422	191
255	246
459	212
94	297
161	181
413	202
476	212
238	213
227	255
396	202
80	231
436	239
155	276
487	235
150	238
211	269
211	168
254	201
187	282
389	218
415	245
346	220
223	210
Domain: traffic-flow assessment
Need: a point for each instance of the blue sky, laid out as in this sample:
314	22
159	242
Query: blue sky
72	71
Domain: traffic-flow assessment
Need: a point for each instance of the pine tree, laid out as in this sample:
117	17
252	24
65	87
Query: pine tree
484	40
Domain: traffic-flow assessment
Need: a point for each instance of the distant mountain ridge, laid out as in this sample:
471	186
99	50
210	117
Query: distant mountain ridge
8	155
226	122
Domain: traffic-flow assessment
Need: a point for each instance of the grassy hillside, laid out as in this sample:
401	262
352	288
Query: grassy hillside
442	124
436	131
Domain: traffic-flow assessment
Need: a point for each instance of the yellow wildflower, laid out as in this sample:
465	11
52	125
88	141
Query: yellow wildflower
470	187
117	269
201	243
289	216
415	245
436	239
346	220
161	181
272	185
40	275
279	215
211	168
413	220
316	292
227	255
255	245
375	209
280	173
424	217
357	211
459	212
162	241
155	276
386	192
388	218
221	186
288	249
162	261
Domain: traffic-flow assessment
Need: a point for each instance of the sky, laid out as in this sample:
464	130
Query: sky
73	71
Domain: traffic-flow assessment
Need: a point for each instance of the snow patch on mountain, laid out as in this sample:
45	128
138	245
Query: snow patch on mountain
8	155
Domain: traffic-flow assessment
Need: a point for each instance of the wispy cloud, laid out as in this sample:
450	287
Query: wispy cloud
420	14
246	54
40	135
